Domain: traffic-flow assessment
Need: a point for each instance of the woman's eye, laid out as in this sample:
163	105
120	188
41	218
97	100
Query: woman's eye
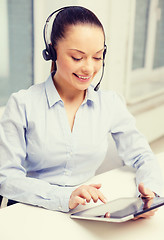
98	59
76	59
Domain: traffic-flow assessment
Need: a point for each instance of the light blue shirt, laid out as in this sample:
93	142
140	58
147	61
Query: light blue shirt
42	161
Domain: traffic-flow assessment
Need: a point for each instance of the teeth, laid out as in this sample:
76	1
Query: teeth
83	77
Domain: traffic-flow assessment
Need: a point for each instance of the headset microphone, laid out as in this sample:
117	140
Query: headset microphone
49	53
98	85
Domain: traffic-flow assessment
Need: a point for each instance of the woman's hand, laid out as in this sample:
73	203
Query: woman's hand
84	194
148	195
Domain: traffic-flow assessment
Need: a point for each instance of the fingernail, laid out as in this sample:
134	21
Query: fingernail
107	215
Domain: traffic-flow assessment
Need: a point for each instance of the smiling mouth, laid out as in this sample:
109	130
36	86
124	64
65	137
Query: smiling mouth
83	78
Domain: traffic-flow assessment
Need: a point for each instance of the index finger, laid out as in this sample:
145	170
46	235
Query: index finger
101	196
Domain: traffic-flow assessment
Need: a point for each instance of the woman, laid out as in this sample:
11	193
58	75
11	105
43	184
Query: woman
54	135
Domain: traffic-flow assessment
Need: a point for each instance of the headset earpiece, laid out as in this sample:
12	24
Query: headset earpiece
46	55
50	53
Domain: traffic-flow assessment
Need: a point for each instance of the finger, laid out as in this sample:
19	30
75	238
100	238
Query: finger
98	185
107	215
102	197
86	195
148	203
148	214
79	200
142	189
145	192
94	194
145	215
135	218
75	201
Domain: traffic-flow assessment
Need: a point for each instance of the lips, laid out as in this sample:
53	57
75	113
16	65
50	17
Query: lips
82	77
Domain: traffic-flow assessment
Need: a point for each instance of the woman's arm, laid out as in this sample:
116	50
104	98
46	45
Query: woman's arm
134	150
14	183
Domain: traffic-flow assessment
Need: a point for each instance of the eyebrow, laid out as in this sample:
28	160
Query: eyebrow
84	52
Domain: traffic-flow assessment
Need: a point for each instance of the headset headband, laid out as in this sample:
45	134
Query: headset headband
47	21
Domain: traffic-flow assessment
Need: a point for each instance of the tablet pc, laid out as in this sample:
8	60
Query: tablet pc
121	210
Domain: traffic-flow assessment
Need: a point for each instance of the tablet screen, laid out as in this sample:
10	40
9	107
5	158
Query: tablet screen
121	208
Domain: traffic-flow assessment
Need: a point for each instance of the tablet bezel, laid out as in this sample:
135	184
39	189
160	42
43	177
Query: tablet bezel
157	202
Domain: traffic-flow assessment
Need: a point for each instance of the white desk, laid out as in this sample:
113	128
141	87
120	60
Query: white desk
23	222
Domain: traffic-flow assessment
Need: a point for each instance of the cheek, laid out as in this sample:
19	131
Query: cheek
98	66
65	65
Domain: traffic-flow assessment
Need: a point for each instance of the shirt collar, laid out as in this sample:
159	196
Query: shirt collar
51	92
91	95
53	96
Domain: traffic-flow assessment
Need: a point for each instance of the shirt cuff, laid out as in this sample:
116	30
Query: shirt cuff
60	201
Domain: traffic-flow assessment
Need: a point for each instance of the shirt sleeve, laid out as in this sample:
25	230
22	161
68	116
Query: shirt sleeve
134	149
14	183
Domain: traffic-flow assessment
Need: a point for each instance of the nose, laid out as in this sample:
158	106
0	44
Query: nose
88	67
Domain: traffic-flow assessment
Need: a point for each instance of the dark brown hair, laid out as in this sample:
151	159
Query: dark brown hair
72	15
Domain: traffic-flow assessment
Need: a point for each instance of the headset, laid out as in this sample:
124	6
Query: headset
49	53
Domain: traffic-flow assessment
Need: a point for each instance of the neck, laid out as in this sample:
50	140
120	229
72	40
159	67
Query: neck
69	94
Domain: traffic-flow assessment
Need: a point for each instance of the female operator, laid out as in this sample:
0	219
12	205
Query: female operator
54	135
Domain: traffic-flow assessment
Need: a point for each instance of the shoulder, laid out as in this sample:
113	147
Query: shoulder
110	98
108	94
23	101
28	95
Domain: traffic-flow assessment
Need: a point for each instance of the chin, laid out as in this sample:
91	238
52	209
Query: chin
84	87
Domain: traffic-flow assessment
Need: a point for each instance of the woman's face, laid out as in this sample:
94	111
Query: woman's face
79	56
